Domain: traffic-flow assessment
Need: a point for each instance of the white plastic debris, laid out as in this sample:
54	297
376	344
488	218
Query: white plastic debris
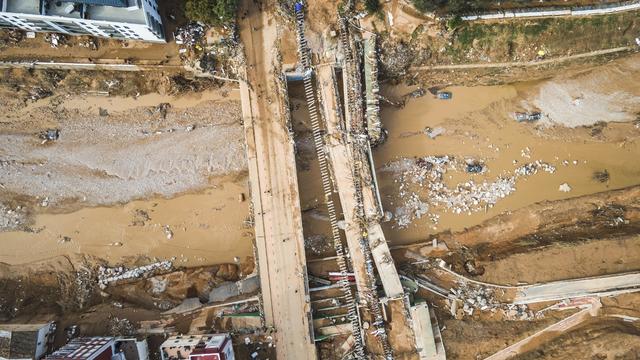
167	231
564	187
107	275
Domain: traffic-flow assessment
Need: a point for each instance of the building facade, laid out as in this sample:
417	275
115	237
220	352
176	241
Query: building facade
116	19
85	348
102	348
198	347
28	341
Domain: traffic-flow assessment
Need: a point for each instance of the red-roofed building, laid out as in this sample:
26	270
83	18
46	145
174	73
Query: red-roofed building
85	348
198	347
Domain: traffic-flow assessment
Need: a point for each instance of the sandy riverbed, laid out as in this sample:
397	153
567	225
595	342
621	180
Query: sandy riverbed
133	183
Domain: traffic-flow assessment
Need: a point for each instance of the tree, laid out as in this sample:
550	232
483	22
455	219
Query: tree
454	7
212	12
458	7
427	5
372	6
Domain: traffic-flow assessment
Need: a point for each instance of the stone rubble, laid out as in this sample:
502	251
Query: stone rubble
564	187
468	298
107	275
12	219
466	198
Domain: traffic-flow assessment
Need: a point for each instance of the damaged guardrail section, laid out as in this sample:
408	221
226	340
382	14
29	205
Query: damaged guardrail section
557	11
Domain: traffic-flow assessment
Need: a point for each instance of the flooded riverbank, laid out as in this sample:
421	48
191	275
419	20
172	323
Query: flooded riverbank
478	126
197	229
151	176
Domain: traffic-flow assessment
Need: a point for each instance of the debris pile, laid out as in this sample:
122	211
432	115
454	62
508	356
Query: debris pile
189	35
564	187
374	124
49	135
601	176
468	298
11	37
120	327
467	197
317	244
434	133
37	93
12	219
55	40
108	275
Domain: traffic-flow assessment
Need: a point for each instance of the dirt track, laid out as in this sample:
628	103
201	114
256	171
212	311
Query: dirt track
526	63
278	222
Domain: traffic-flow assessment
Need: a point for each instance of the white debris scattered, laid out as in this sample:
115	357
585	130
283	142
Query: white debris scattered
467	298
158	286
108	275
564	187
12	219
465	198
167	232
434	133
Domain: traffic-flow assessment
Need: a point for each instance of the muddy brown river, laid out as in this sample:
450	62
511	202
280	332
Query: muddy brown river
478	124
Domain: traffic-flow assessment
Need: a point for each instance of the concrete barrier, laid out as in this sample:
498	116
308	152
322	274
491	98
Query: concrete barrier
553	12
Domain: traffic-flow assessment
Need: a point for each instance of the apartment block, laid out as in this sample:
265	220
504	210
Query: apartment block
116	19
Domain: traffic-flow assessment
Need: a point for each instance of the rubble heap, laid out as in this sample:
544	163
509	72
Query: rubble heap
12	219
190	34
468	197
468	298
108	275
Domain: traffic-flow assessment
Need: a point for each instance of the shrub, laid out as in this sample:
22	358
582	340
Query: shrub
212	12
372	6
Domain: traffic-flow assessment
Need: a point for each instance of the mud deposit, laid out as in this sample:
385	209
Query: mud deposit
478	126
156	176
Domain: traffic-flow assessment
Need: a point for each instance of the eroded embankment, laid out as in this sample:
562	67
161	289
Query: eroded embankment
604	215
599	338
68	285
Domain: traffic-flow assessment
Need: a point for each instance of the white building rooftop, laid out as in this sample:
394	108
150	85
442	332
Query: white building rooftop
133	13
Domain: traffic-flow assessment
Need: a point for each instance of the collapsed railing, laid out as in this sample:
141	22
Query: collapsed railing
358	139
352	310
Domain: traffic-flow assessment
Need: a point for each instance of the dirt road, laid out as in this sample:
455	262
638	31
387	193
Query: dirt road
558	290
276	203
526	63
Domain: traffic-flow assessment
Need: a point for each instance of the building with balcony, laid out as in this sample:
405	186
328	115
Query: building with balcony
116	19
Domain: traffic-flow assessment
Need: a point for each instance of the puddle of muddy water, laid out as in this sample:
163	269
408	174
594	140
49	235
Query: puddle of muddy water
479	125
207	228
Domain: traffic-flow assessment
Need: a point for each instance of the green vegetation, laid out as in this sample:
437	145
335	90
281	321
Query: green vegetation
509	40
428	5
372	6
454	22
453	7
212	12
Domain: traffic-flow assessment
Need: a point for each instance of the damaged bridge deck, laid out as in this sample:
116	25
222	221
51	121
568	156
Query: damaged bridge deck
274	190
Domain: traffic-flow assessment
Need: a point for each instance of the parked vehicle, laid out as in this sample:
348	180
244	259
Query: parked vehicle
444	95
529	117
